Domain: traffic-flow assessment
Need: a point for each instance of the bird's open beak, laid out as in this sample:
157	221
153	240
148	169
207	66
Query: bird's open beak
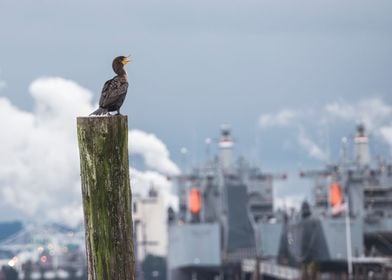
127	59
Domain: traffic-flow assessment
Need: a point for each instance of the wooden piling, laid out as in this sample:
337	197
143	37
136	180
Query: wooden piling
103	148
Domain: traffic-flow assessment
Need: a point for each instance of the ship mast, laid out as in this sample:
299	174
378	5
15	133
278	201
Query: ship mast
226	144
362	156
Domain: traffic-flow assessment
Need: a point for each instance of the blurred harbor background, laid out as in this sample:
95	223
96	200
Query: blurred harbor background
293	82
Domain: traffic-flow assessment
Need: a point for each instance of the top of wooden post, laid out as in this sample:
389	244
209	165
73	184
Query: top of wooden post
102	124
103	118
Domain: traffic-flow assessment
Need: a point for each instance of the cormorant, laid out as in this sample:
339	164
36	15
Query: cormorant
114	90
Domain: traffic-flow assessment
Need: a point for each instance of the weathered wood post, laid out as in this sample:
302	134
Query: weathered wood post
103	148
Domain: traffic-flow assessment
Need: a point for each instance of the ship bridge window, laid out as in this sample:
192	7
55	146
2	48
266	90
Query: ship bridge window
134	207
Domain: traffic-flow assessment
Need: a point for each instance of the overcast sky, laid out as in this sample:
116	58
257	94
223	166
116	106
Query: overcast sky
291	77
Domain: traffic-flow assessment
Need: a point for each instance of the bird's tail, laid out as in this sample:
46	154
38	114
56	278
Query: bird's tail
99	111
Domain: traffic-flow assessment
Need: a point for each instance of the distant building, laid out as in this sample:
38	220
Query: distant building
150	226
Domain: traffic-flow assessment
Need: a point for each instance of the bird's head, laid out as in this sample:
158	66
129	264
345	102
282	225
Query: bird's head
119	62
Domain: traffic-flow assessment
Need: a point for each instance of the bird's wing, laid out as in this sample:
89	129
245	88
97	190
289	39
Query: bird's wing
113	90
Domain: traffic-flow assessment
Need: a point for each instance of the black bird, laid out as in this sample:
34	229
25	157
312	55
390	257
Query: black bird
114	90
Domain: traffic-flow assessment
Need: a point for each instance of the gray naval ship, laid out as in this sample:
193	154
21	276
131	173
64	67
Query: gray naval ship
226	227
225	214
348	229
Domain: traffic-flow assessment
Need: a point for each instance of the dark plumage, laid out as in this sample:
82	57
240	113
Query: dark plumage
114	90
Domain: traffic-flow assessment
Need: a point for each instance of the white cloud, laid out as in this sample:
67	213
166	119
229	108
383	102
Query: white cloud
371	111
142	181
154	151
290	117
339	110
283	118
310	147
39	163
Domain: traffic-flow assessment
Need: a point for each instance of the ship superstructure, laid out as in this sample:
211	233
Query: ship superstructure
221	208
348	224
366	185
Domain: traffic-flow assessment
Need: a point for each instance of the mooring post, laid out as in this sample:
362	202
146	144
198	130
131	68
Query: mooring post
106	192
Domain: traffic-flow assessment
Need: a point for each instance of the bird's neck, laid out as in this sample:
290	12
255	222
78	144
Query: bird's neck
118	68
121	72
